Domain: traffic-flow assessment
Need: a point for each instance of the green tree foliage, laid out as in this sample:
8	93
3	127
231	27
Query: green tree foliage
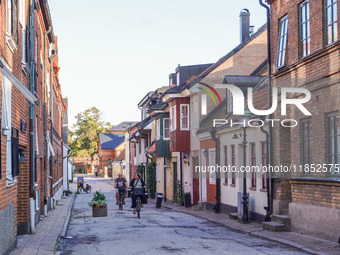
151	178
83	138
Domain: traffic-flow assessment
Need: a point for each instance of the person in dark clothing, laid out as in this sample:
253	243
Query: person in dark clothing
120	184
137	184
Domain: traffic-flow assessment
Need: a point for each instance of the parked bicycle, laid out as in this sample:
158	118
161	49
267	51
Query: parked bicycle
86	189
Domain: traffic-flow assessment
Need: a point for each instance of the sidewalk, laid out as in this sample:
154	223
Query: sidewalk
47	231
303	242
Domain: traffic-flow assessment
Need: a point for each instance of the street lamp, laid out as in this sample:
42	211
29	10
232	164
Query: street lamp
244	118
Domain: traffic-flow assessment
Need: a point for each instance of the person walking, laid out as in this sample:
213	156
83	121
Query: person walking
96	172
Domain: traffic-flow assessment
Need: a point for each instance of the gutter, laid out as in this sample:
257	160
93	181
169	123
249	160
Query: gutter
51	113
32	138
45	122
217	206
271	154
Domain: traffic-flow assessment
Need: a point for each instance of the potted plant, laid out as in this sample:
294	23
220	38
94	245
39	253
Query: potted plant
187	199
99	205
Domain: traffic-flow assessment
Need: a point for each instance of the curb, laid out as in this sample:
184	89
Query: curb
67	221
256	233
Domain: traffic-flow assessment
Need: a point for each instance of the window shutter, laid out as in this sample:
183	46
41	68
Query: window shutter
15	20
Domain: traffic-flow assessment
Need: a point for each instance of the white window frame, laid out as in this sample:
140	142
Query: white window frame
182	117
212	162
177	78
164	128
158	129
331	22
7	126
173	118
304	29
282	42
9	38
22	13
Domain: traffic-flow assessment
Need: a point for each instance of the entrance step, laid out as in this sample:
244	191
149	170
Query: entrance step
233	216
282	219
273	226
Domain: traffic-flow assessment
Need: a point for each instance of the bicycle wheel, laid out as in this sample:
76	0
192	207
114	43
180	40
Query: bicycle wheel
138	207
89	190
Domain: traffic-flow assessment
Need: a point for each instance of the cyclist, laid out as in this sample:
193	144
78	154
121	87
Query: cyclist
120	184
137	186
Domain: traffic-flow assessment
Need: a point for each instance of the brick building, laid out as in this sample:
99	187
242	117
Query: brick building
305	53
29	88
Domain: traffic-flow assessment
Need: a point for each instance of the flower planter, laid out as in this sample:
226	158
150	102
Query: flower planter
99	211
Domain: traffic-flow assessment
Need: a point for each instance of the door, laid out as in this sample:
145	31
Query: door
204	179
175	180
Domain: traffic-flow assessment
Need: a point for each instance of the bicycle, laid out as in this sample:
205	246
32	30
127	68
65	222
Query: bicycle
87	188
121	199
138	206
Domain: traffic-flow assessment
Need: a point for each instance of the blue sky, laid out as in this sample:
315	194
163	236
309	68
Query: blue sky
112	53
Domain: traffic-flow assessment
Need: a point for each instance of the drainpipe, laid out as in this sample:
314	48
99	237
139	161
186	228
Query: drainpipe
31	130
271	154
51	113
181	169
164	164
268	208
45	121
218	177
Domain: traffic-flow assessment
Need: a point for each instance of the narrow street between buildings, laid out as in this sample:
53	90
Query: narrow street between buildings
159	231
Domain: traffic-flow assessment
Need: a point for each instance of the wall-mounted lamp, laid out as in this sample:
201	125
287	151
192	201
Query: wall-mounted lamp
56	161
186	160
205	152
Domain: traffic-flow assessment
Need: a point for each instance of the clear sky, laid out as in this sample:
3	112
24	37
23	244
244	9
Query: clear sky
113	52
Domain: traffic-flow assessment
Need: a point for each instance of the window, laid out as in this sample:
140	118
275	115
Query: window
304	29
166	129
264	163
331	21
333	143
12	23
177	79
22	13
306	149
226	163
184	117
135	149
233	174
6	125
212	163
173	118
253	164
281	51
157	130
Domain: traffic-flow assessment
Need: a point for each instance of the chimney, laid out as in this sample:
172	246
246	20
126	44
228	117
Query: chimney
244	25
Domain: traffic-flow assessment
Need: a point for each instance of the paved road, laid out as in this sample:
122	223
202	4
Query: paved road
157	232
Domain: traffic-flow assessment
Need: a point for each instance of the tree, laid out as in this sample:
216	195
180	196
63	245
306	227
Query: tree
83	139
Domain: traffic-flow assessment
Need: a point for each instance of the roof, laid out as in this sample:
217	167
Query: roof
152	149
109	141
243	80
122	126
230	54
121	156
159	106
220	112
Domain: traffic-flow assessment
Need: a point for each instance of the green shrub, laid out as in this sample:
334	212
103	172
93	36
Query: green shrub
151	178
